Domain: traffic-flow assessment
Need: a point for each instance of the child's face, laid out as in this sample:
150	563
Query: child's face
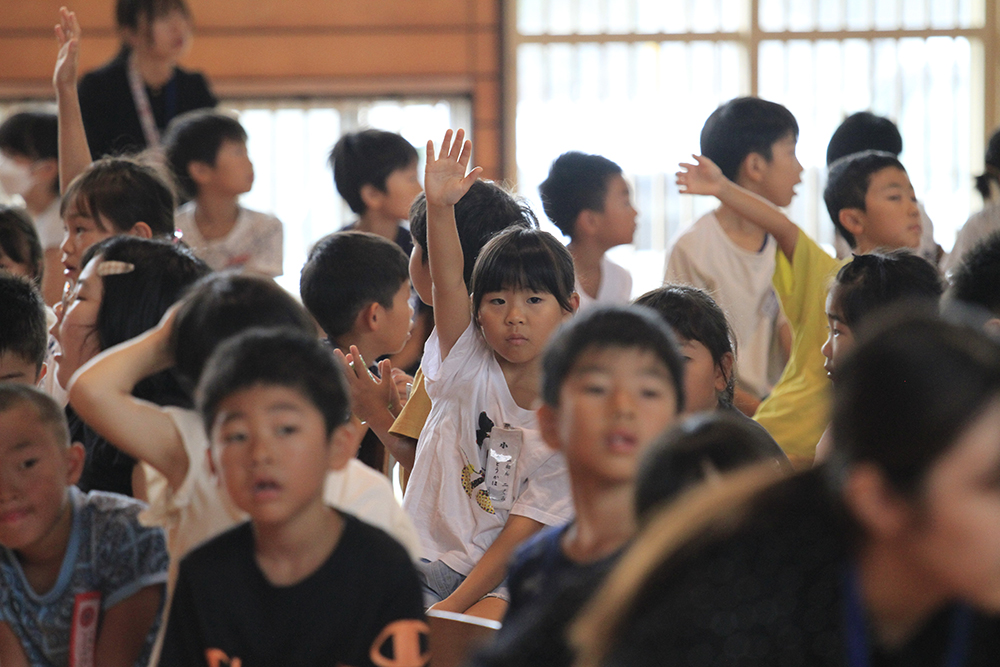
616	224
270	446
420	275
517	323
232	174
891	218
401	187
15	368
80	231
703	378
35	470
166	37
396	322
75	331
613	403
782	173
840	339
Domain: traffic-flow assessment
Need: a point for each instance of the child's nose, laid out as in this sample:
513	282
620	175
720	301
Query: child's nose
624	402
515	314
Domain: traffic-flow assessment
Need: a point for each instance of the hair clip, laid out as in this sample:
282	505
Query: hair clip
114	267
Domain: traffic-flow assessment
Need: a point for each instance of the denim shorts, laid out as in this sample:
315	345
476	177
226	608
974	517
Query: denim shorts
438	581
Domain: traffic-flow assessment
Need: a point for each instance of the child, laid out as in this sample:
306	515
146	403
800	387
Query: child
587	198
611	385
129	101
23	336
207	152
975	281
20	248
887	555
482	480
301	583
729	255
870	197
356	286
29	167
987	221
81	581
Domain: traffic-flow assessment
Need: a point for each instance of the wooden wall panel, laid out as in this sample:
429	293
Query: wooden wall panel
284	48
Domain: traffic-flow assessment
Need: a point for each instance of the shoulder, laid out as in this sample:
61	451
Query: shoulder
261	221
542	547
112	71
103	509
216	553
374	547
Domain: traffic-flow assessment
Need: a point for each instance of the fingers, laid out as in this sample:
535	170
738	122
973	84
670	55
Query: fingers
446	145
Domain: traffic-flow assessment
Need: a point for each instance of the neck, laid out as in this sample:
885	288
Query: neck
365	346
375	222
587	263
38	199
155	72
216	210
897	597
863	247
289	552
605	520
42	561
523	380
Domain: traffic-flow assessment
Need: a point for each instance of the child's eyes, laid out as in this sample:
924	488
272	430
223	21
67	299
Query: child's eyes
28	464
652	392
497	301
535	299
233	438
287	429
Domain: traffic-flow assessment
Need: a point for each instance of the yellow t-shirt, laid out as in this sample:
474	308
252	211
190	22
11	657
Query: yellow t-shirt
410	421
798	408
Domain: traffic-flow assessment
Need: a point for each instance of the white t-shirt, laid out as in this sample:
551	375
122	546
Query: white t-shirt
479	459
979	226
255	242
740	282
615	287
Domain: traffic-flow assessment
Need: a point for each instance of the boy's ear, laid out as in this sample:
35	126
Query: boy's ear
753	167
199	171
587	223
882	513
142	230
47	169
41	373
853	220
548	425
371	196
75	456
368	320
574	303
344	443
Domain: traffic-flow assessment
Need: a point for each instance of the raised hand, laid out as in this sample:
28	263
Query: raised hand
701	178
68	36
369	394
445	180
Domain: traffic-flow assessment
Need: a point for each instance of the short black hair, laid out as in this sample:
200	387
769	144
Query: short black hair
976	279
992	164
864	131
19	241
282	357
23	330
482	212
681	457
524	258
367	157
742	126
125	192
848	181
196	136
875	280
694	315
33	133
129	13
223	304
632	327
49	412
346	272
576	182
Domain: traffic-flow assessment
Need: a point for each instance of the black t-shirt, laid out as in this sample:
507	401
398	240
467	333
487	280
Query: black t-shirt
364	597
768	589
105	468
109	112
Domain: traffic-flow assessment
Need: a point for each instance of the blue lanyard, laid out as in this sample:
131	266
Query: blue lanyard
858	653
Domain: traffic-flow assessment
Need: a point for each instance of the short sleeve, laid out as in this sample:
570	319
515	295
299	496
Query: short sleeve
466	363
413	416
267	255
545	496
130	556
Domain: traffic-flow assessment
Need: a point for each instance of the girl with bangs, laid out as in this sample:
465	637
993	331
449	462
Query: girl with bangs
483	480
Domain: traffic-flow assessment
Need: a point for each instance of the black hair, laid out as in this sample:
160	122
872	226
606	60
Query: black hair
346	272
992	164
906	393
130	13
23	330
19	241
576	182
482	212
49	412
874	280
124	192
743	126
282	357
196	136
524	258
34	134
864	131
848	181
368	157
694	315
631	327
223	304
976	280
682	457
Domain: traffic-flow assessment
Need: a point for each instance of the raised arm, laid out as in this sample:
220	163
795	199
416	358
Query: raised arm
101	393
705	178
74	153
445	182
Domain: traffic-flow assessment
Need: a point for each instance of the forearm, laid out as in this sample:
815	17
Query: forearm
402	449
74	152
444	254
762	213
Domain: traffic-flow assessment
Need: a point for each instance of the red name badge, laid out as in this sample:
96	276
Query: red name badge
83	633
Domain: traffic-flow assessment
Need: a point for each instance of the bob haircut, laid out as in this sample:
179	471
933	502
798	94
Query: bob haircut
523	258
124	192
874	280
196	136
19	241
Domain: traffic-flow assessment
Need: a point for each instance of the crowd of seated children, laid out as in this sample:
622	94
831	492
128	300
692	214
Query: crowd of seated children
29	168
588	199
727	253
207	154
985	222
68	558
357	288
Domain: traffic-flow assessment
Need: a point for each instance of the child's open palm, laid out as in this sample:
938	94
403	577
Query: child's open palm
701	178
445	180
68	36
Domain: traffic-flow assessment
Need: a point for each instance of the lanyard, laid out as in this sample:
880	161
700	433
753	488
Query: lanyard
858	653
142	106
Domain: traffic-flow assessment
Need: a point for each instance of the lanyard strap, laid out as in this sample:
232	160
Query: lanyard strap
141	99
858	653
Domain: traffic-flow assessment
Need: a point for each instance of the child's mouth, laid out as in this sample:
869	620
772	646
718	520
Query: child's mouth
622	442
12	516
264	489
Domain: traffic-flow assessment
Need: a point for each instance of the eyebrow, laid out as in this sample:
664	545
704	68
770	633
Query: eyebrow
835	318
274	407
